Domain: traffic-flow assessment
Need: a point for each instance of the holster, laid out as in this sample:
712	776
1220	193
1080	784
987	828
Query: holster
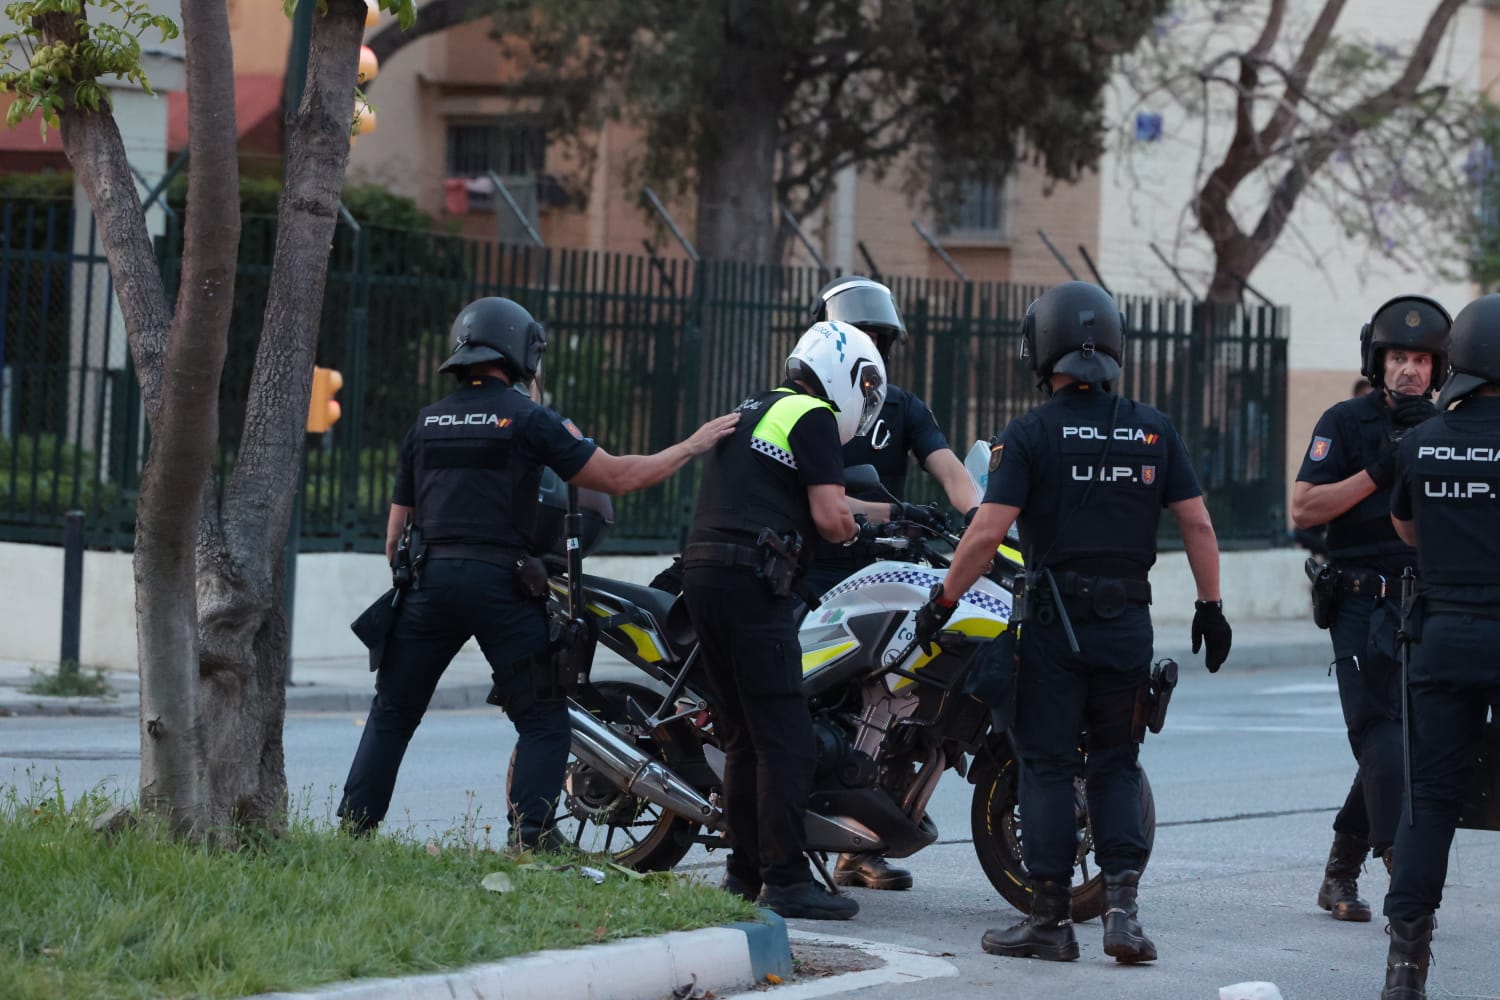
1325	592
557	671
1152	699
406	565
993	679
781	558
531	577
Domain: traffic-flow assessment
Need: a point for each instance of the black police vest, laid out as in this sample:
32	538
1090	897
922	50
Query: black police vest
475	483
1363	535
1092	516
1455	494
750	479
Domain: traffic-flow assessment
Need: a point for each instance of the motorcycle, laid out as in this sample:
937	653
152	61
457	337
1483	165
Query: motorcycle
890	719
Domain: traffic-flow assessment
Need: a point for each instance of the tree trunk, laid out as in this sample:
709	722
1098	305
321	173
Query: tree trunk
243	628
737	154
181	411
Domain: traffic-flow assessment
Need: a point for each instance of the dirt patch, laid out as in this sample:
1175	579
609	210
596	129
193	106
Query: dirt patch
815	961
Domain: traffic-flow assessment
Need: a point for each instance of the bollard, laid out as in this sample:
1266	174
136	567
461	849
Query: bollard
72	607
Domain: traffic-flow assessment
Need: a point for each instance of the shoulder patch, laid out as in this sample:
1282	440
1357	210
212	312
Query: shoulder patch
1320	448
996	454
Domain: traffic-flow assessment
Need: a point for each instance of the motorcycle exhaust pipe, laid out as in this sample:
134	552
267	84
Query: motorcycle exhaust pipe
601	748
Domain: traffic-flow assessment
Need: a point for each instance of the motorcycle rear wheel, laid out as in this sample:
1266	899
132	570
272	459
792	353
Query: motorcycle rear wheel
995	818
597	817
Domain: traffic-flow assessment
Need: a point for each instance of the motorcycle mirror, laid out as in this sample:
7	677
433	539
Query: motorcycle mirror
861	480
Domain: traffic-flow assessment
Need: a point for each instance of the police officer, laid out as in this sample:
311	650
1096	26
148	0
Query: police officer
468	477
1084	476
1345	483
776	481
905	425
1443	503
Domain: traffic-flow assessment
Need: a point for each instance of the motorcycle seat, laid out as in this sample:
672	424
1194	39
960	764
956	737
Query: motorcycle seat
656	603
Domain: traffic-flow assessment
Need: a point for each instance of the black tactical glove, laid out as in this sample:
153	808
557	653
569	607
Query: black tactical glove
1383	469
1410	411
926	515
1210	627
868	530
932	616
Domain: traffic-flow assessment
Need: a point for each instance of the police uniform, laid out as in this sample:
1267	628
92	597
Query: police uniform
470	468
1448	485
906	425
1369	556
786	441
1099	556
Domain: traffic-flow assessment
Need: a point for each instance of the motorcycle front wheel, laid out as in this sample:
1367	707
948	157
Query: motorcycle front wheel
995	818
595	816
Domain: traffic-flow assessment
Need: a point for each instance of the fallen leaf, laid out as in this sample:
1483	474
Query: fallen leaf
629	873
773	979
496	882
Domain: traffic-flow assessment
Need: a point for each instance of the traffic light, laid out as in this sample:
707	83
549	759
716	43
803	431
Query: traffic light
323	411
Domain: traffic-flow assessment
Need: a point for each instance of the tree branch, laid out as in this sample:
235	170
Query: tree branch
432	17
1296	80
196	346
91	140
258	497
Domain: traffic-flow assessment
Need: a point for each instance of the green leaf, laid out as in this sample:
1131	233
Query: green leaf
497	882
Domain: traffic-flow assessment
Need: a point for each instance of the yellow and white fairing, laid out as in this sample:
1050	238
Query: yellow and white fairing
828	637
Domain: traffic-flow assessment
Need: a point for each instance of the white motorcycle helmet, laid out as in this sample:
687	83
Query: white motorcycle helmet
839	363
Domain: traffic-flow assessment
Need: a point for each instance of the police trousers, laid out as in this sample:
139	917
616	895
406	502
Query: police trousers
1060	697
459	599
1369	677
750	651
1453	684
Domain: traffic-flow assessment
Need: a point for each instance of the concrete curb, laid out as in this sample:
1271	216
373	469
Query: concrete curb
715	958
299	698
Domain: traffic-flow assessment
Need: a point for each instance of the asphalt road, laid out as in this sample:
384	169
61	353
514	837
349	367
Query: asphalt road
1247	776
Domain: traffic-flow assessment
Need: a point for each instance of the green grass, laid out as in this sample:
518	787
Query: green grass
70	681
138	914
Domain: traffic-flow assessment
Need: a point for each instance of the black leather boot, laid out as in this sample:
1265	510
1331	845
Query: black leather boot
1339	893
1406	962
1046	934
870	871
1123	937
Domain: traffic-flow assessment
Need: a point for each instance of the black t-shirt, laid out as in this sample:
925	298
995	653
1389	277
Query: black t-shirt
905	425
1047	464
1348	437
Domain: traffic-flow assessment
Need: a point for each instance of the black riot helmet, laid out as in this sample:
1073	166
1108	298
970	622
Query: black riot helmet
1412	323
1474	350
1074	329
864	303
501	331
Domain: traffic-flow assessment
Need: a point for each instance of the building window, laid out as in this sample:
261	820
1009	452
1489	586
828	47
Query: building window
979	212
511	147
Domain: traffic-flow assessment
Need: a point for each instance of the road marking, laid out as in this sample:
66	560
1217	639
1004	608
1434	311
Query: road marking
902	965
1322	687
1189	727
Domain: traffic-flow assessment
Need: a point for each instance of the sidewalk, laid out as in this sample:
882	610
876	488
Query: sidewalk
346	684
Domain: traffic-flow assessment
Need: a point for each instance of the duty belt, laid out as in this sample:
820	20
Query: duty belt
722	554
1359	581
1071	584
1461	608
502	555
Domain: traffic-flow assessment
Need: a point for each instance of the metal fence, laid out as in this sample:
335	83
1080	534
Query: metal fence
640	351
